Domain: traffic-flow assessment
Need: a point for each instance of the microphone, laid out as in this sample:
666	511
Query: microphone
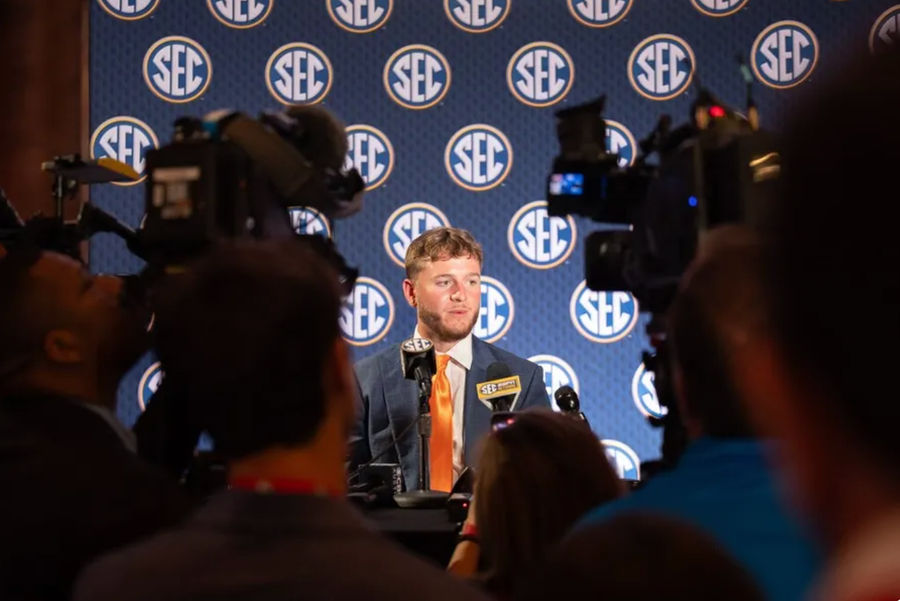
567	400
418	363
501	389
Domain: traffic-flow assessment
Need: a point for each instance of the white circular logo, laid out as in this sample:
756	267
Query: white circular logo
540	74
719	8
885	32
149	384
599	13
360	16
620	141
497	310
309	221
370	152
556	373
784	54
240	14
478	157
408	223
538	240
623	459
299	73
661	67
477	16
417	77
602	316
129	10
367	313
643	393
177	69
124	139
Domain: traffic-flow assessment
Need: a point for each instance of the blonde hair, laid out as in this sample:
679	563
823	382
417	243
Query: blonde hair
441	244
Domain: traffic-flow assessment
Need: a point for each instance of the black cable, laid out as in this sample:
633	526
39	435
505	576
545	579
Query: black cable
355	473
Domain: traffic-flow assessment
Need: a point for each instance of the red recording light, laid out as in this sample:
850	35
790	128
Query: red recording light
716	111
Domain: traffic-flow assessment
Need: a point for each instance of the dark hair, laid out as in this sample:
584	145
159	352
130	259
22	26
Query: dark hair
835	251
535	478
642	557
19	341
719	303
244	337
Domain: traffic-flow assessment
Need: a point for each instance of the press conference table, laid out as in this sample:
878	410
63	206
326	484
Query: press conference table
426	532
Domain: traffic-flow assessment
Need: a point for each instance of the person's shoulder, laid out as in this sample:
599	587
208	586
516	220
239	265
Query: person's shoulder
395	575
515	362
373	361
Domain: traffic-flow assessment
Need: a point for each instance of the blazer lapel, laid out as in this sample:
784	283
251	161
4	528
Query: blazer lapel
477	418
401	405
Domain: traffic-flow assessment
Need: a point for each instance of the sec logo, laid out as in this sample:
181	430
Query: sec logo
478	157
556	373
129	10
149	384
643	393
299	73
370	152
540	74
309	221
408	223
623	459
417	77
477	16
177	69
620	141
367	313
602	316
599	13
719	8
784	54
661	67
497	310
240	14
886	30
360	16
538	240
124	139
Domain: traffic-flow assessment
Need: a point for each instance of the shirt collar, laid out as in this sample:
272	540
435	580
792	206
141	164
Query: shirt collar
461	352
125	435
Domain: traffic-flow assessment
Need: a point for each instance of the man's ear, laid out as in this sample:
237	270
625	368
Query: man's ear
63	346
340	380
409	292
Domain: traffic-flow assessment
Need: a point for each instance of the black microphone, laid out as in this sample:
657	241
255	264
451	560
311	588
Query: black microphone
499	370
567	400
418	363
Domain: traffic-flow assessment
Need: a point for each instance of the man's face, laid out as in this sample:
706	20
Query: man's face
447	297
67	297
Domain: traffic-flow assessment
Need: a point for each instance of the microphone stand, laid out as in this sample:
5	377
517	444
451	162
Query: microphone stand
422	497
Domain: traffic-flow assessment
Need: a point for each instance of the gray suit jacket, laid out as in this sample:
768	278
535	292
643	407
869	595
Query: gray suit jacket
244	545
388	404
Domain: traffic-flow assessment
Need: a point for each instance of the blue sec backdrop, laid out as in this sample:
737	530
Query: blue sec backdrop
449	106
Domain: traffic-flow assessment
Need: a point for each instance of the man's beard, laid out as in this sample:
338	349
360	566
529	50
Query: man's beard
433	322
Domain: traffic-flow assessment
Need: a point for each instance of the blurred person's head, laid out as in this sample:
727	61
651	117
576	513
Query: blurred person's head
642	557
718	303
821	381
249	336
536	477
443	284
63	330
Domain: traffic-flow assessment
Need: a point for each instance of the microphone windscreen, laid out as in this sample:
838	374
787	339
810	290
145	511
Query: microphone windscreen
498	370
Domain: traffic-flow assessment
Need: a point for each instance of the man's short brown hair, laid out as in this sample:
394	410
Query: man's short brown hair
441	244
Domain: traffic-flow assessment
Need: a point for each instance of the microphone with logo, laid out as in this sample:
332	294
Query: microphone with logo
501	390
418	363
567	400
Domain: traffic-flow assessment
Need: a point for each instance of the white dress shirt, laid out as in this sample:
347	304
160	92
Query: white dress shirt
457	368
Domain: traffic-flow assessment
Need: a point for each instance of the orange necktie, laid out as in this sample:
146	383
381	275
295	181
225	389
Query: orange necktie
441	447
